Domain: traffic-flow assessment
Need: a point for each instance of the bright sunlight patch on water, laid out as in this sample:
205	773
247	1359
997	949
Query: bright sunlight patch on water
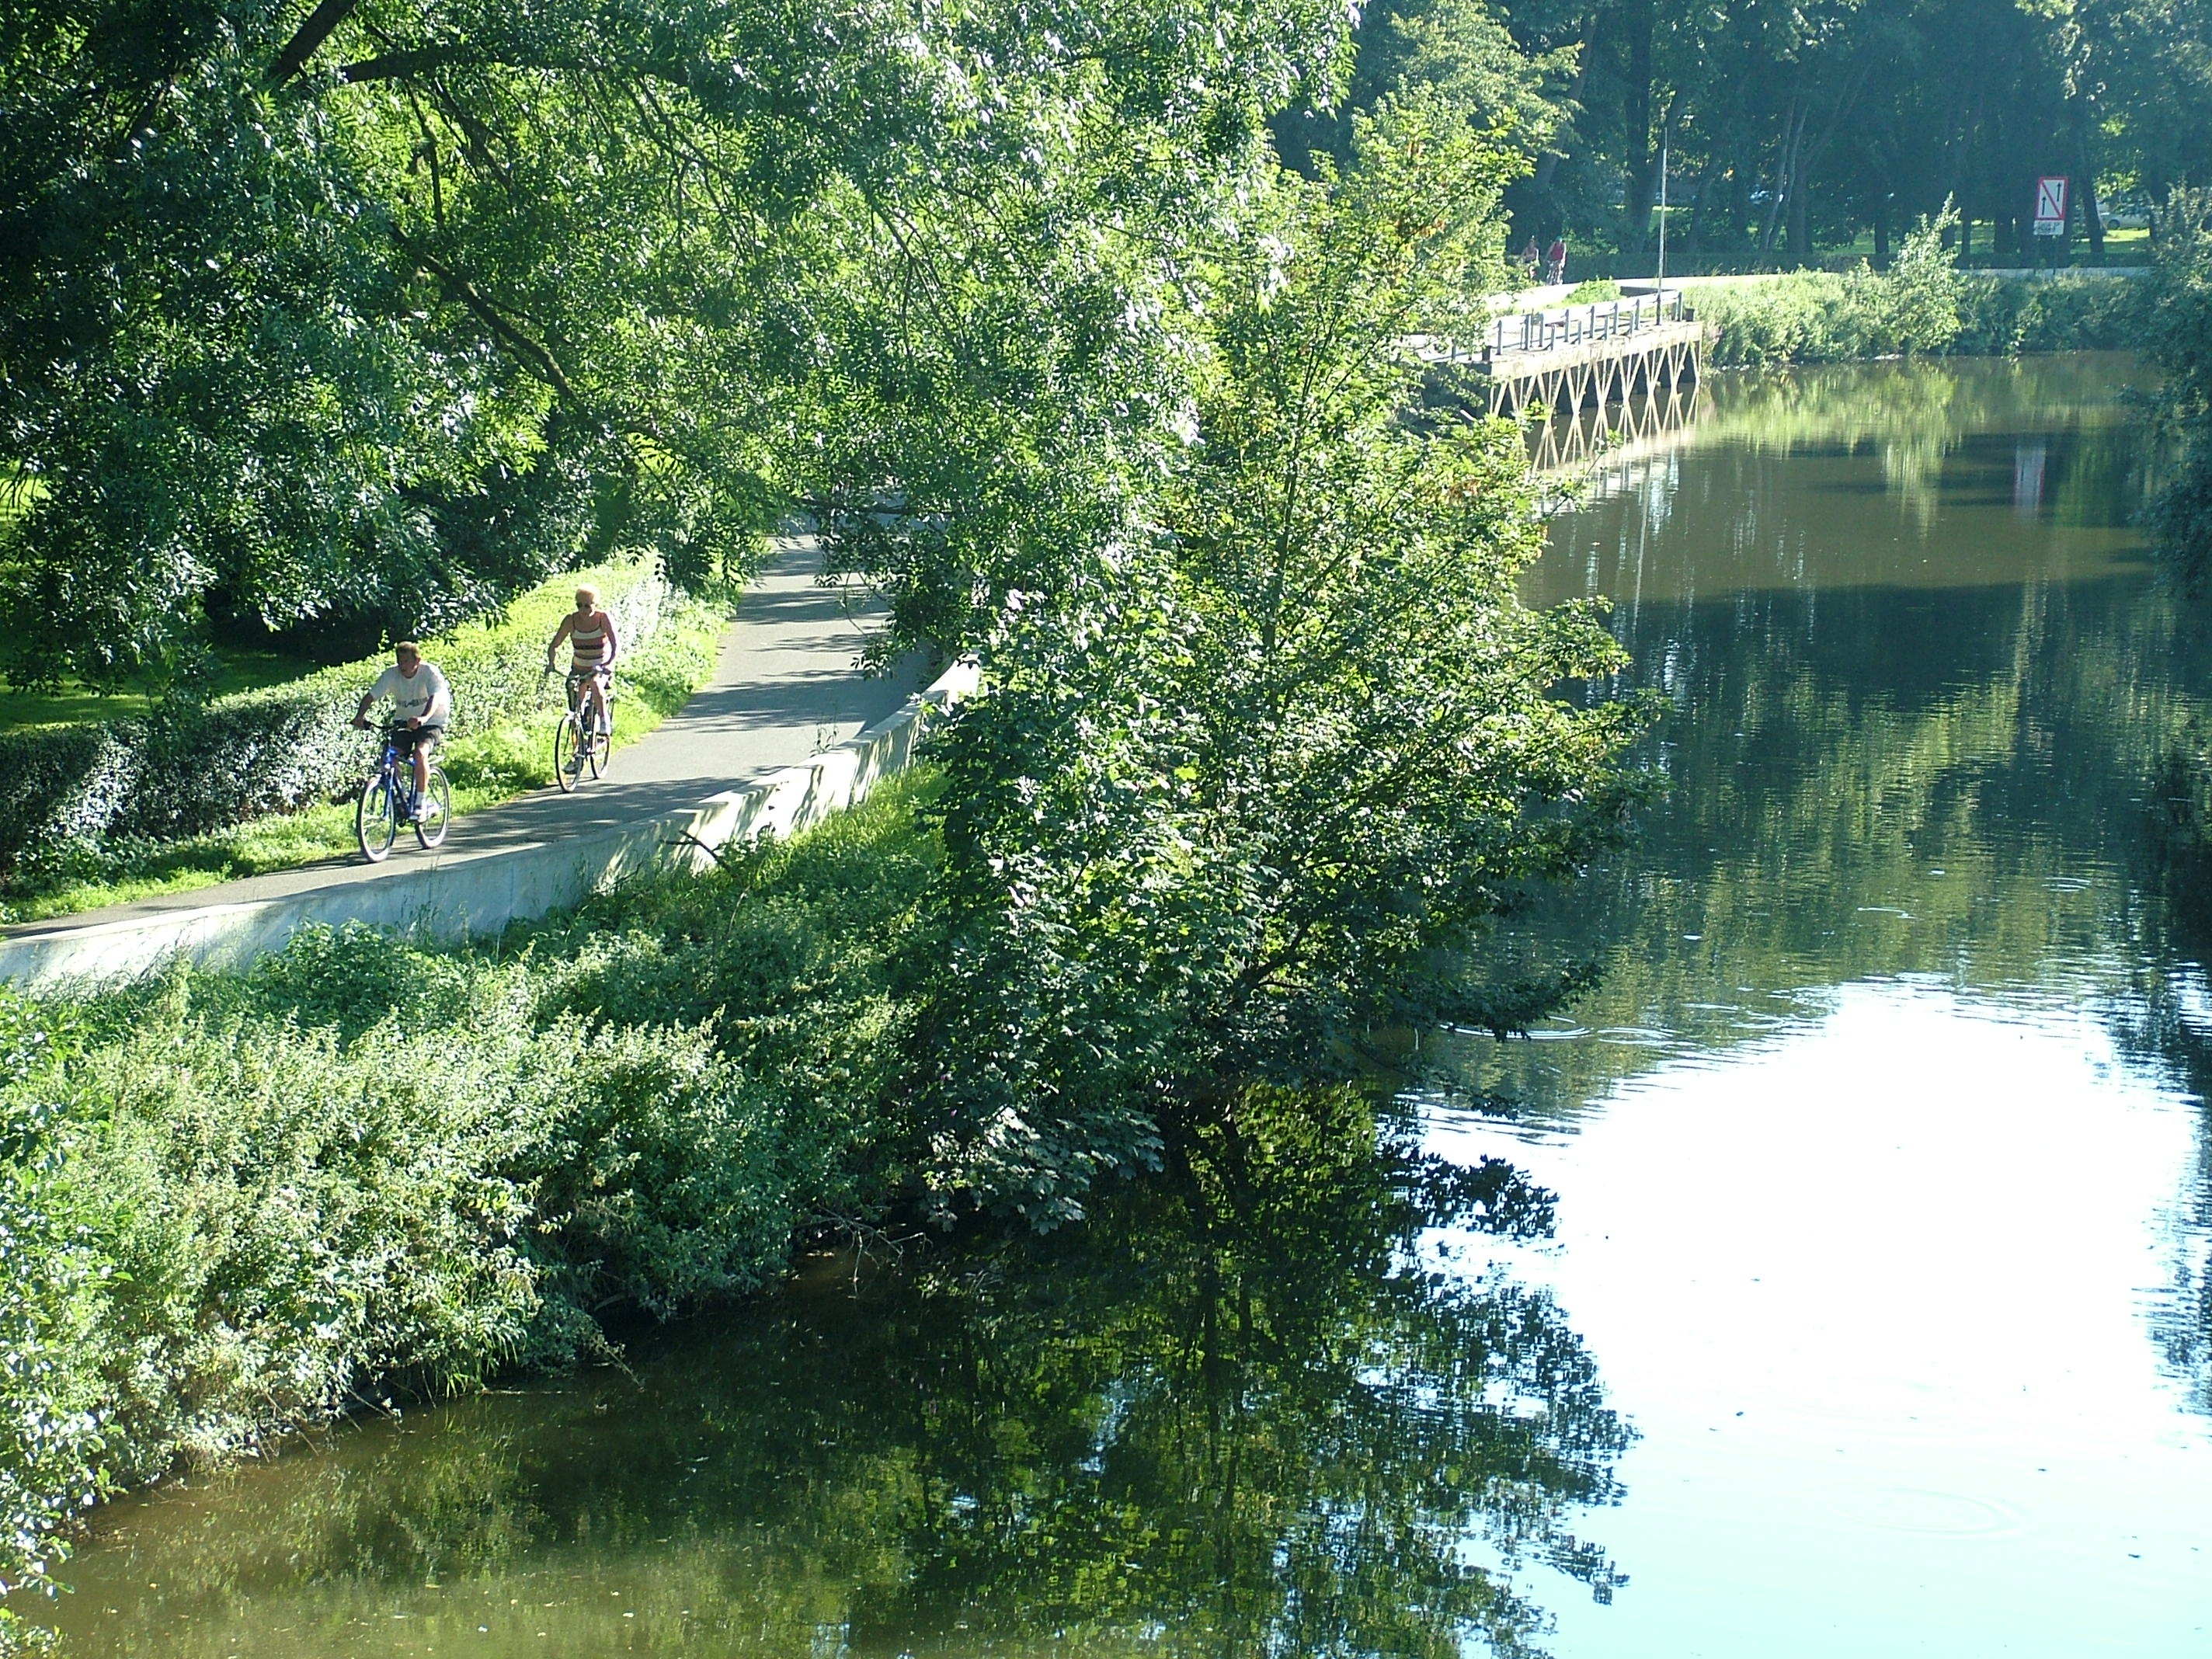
1878	1296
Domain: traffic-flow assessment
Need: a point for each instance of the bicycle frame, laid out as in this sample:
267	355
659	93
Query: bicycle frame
580	682
398	779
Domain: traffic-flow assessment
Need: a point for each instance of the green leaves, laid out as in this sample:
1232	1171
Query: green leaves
1255	778
476	292
2181	348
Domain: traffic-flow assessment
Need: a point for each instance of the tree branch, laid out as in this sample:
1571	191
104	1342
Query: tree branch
405	65
540	361
301	47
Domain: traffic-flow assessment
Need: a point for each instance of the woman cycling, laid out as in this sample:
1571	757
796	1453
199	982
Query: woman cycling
591	649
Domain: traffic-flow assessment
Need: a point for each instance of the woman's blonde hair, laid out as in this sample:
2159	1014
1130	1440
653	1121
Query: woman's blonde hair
587	596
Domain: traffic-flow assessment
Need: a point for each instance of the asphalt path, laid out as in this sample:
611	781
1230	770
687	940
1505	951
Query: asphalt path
789	684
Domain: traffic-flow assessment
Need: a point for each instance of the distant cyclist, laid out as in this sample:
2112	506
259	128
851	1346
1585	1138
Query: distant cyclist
592	650
421	705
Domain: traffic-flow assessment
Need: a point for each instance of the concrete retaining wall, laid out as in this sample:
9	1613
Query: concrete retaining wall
463	898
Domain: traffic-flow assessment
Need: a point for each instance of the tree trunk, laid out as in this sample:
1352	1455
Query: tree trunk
2085	178
1882	235
1785	174
1697	207
1639	20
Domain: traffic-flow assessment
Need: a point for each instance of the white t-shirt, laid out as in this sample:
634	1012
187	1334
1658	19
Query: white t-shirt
419	697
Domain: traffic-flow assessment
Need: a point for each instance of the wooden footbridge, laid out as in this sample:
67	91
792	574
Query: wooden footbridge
1575	357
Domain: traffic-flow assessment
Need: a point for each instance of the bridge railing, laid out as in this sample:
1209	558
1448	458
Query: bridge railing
1538	331
1547	330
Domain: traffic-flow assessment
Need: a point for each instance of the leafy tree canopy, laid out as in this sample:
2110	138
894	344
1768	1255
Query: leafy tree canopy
356	317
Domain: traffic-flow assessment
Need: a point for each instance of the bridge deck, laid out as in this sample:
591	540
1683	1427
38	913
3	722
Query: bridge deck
1516	363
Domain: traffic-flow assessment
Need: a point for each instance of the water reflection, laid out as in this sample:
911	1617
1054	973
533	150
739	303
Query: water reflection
1235	1416
1600	444
1881	1145
1901	739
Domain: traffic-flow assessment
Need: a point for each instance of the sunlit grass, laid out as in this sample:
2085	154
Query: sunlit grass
75	704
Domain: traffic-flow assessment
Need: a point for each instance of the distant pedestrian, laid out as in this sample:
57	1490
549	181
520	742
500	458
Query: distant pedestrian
1558	258
1532	260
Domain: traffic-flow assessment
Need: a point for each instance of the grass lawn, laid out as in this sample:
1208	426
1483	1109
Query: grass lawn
75	705
485	767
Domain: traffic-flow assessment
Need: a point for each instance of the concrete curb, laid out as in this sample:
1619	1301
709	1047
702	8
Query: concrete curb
470	898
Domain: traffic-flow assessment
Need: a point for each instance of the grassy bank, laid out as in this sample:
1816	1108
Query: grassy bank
241	1206
494	761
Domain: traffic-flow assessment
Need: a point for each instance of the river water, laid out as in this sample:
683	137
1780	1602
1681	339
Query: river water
1872	1317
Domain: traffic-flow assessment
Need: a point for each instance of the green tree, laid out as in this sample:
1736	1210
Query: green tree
1261	776
356	317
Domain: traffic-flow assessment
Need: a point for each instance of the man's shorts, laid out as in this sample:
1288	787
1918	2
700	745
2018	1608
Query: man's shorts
424	737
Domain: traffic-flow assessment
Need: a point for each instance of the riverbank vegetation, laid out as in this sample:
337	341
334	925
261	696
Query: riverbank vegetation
2180	348
366	1171
1924	304
1024	308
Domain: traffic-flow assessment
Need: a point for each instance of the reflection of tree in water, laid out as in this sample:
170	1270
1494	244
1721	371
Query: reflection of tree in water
2169	1020
1866	689
1232	1415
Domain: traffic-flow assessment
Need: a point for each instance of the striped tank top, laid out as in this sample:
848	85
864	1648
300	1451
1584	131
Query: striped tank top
589	644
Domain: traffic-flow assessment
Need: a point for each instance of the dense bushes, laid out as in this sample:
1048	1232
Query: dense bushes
2004	316
190	767
237	1205
1821	317
1922	304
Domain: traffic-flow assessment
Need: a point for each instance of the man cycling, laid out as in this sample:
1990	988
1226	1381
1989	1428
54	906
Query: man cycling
422	706
591	649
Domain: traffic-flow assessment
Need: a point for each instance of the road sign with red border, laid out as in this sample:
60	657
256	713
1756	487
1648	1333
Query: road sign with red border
2051	207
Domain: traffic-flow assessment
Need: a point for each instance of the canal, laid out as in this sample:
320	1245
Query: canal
1856	1300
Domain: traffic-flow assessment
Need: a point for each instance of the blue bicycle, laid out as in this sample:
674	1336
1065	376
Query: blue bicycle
387	801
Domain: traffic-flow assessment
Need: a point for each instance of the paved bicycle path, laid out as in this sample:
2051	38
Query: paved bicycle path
788	686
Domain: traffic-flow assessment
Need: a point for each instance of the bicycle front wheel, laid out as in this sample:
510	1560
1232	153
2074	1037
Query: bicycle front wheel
437	810
376	818
568	762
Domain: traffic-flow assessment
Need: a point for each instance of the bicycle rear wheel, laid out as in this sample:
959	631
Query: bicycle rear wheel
437	810
376	818
603	741
566	742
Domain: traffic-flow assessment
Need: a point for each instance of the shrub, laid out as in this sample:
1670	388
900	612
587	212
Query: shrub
1923	303
233	1205
2004	317
1810	318
78	794
1818	317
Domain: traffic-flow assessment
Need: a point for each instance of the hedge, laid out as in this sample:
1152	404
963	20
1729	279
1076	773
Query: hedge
190	768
